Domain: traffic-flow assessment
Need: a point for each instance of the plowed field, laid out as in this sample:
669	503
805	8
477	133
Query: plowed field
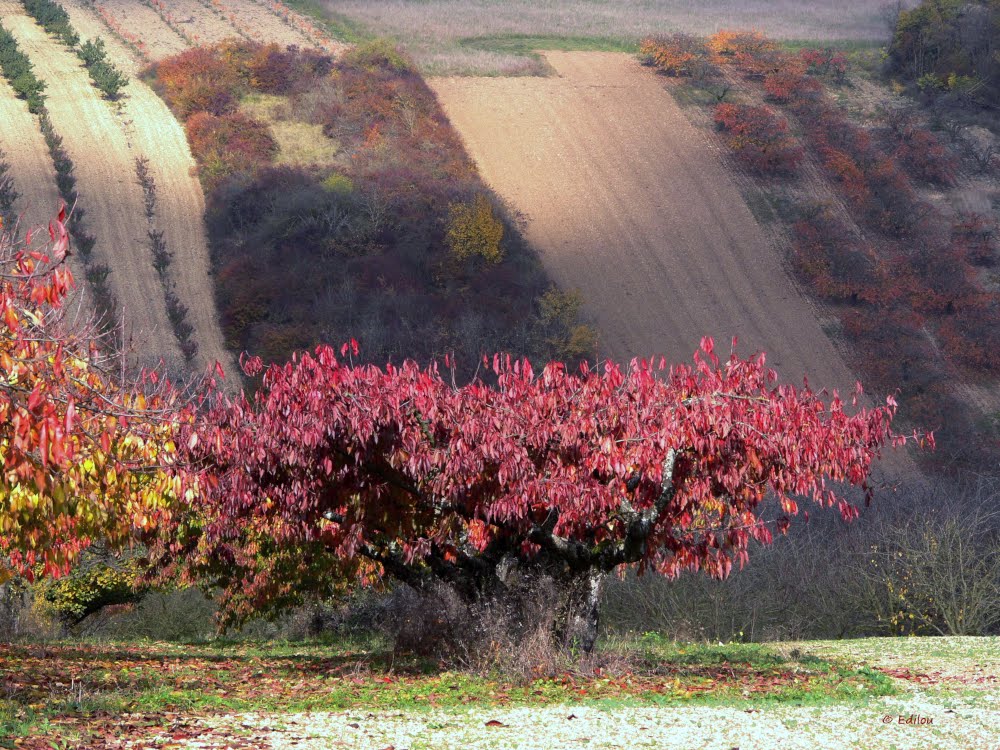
627	202
153	132
199	23
105	180
259	23
30	165
159	40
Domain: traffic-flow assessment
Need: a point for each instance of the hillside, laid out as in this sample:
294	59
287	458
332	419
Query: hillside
628	202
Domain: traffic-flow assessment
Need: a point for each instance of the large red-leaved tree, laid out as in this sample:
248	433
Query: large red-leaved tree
336	474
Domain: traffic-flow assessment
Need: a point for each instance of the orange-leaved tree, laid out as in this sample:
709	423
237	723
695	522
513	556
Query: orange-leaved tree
85	455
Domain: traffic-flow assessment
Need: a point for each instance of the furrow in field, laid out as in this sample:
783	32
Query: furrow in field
626	201
140	21
106	184
30	164
258	22
153	132
198	22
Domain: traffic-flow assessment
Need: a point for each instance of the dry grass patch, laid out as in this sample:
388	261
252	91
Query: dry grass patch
299	143
490	37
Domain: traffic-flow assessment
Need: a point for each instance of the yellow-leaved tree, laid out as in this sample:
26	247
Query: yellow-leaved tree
84	455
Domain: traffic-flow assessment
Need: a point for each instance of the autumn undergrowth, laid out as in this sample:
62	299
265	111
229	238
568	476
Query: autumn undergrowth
72	688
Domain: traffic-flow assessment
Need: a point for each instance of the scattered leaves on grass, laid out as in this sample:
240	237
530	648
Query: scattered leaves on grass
102	695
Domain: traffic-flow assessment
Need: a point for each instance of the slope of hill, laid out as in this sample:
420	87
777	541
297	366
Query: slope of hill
108	191
153	132
30	165
628	202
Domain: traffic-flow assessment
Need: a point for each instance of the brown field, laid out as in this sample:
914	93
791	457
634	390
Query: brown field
628	202
154	133
106	184
30	164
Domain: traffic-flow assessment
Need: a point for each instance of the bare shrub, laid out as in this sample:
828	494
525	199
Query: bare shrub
924	560
938	570
514	634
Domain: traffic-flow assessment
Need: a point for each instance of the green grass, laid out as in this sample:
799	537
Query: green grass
74	687
338	26
523	44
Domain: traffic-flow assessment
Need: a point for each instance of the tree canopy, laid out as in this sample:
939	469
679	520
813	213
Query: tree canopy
334	474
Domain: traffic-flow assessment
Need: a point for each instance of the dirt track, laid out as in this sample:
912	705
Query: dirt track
106	183
626	201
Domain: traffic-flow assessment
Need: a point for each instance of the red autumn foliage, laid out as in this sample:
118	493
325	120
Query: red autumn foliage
398	472
789	82
828	259
825	62
227	144
759	138
675	54
200	79
752	52
974	239
972	337
923	155
276	70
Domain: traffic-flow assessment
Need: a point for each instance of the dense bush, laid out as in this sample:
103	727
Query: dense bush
227	144
921	153
947	48
98	581
212	79
474	230
828	259
676	55
825	62
759	138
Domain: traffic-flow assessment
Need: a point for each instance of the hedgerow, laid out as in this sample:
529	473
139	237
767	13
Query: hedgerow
19	73
759	138
908	286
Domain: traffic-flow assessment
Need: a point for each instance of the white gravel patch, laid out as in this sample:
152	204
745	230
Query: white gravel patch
960	723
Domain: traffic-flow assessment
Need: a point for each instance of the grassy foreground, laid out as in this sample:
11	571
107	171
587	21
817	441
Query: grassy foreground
76	692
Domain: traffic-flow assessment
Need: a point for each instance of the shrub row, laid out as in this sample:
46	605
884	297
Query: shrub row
51	16
162	257
759	138
911	298
8	192
54	19
677	54
19	73
14	63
